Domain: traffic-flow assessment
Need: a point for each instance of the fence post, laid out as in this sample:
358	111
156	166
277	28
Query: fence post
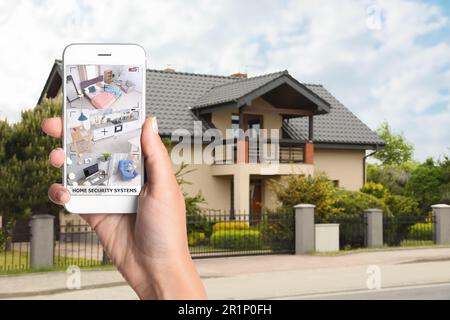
304	228
441	226
374	228
42	241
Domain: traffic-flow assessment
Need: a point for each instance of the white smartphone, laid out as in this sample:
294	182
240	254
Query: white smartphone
104	110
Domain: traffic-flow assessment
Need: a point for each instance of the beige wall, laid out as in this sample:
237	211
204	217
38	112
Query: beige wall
346	166
222	119
216	190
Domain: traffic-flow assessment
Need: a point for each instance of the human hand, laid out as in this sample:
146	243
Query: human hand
150	248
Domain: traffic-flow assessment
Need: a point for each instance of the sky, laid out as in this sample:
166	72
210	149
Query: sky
385	60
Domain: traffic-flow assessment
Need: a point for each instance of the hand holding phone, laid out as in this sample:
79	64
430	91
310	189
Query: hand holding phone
150	248
104	109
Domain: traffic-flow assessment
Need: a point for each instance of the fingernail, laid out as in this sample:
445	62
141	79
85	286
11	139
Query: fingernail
155	125
62	196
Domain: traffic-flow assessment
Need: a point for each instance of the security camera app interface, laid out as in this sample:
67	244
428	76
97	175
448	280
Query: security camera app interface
104	111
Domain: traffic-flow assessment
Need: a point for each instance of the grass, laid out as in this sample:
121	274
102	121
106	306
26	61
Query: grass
13	262
211	252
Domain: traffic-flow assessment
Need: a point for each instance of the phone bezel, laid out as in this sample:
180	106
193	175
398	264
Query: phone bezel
87	53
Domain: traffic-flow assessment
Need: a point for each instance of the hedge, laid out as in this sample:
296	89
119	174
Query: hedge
353	203
230	225
236	239
421	232
194	238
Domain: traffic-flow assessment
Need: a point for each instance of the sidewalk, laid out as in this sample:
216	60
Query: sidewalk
255	277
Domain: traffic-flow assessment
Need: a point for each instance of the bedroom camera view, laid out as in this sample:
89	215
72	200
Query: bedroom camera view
103	128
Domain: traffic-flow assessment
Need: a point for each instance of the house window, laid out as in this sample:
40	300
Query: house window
335	183
235	125
91	72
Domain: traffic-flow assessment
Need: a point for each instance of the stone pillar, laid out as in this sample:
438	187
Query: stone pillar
42	241
241	195
374	228
441	226
304	228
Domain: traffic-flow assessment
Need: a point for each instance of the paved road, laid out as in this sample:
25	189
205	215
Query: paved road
269	277
425	292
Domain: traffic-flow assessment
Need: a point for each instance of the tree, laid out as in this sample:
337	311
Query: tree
396	150
393	177
24	169
430	183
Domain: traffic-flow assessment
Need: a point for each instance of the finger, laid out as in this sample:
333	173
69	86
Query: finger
57	157
53	126
158	165
58	194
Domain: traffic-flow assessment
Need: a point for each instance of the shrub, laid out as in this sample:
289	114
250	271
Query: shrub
230	225
236	239
375	189
295	189
353	203
402	206
198	222
194	238
421	232
398	227
277	229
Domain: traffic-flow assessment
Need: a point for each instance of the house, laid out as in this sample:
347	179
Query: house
317	132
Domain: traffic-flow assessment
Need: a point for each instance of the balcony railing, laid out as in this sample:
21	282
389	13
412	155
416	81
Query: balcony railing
284	151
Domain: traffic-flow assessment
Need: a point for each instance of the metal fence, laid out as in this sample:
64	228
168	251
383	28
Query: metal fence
352	230
408	231
14	252
216	234
219	234
77	244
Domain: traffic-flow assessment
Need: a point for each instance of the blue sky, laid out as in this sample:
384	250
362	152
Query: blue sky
385	60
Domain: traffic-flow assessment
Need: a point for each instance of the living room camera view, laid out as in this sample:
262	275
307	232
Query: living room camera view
103	127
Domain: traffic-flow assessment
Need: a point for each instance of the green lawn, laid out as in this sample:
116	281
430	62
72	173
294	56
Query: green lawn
13	262
198	251
415	243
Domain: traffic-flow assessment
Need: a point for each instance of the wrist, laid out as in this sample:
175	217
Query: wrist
171	279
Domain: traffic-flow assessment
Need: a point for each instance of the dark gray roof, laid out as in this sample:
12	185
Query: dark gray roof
171	96
234	90
338	126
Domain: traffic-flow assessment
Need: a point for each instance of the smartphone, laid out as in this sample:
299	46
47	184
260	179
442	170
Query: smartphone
104	110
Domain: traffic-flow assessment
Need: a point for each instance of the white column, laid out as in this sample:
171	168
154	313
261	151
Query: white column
241	191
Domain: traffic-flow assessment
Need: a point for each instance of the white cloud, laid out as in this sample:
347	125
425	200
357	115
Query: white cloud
393	73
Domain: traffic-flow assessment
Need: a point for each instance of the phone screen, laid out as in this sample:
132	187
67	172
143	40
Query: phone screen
103	119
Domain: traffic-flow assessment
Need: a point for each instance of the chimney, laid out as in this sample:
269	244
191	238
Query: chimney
169	69
239	75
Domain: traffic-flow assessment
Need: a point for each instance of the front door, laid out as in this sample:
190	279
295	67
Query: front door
255	200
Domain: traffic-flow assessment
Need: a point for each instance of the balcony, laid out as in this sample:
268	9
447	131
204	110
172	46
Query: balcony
283	151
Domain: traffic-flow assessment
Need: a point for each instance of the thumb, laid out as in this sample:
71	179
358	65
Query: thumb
158	165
